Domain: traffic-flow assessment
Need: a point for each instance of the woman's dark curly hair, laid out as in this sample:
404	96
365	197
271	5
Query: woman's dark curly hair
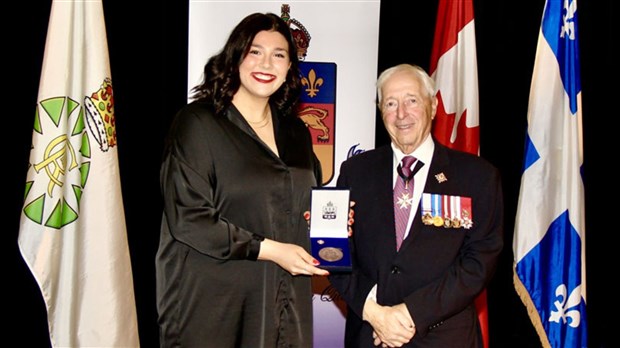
221	73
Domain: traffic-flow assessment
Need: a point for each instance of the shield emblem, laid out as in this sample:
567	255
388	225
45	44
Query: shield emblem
317	108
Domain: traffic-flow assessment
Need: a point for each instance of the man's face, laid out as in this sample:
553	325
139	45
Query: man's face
407	110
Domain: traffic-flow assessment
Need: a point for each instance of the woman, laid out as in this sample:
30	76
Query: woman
232	265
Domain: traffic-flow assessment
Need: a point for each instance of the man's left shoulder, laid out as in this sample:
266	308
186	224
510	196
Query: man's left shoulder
465	166
461	157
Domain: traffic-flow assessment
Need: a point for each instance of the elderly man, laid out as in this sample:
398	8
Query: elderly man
427	232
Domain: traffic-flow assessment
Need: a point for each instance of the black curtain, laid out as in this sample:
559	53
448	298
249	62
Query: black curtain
148	56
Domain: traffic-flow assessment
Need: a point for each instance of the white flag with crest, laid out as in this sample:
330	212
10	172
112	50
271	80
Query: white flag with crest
72	234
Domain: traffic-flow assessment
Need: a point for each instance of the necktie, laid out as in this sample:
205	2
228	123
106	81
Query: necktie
403	197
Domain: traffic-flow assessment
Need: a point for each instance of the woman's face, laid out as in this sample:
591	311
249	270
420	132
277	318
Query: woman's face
264	68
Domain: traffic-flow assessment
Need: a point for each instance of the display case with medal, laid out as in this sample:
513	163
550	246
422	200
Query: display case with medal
329	228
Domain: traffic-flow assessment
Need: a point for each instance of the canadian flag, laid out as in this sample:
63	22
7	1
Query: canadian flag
455	70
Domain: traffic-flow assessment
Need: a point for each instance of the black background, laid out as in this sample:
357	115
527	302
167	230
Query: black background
148	56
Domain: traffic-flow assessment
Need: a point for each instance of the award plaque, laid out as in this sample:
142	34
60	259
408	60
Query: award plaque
329	228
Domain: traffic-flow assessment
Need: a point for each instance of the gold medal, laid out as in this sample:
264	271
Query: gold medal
331	254
456	223
438	221
427	219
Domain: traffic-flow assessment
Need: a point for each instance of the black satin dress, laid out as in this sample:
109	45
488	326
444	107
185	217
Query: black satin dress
224	191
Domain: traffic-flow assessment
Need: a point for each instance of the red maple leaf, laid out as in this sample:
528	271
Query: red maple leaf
467	139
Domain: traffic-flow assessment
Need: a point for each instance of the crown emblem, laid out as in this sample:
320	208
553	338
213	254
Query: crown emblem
329	211
301	36
100	115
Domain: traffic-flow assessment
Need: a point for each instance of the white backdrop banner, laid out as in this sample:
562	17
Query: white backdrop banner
338	99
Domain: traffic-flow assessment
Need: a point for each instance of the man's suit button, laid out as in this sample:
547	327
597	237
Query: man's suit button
436	325
395	270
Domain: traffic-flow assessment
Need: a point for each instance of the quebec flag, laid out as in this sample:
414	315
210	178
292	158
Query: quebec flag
549	238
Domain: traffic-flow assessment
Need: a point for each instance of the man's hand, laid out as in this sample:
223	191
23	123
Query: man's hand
392	325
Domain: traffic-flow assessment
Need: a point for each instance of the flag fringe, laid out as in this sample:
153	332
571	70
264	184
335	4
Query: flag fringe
531	309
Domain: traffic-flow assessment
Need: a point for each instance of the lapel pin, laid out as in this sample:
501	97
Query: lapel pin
441	177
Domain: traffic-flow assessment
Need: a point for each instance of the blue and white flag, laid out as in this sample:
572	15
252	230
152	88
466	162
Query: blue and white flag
549	238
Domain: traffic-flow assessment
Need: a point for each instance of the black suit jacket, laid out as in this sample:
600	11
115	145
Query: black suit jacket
438	271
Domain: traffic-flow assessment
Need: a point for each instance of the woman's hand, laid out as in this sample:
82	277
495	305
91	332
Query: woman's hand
291	257
351	218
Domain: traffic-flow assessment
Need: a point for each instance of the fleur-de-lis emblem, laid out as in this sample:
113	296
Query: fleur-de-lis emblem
312	82
568	20
564	304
